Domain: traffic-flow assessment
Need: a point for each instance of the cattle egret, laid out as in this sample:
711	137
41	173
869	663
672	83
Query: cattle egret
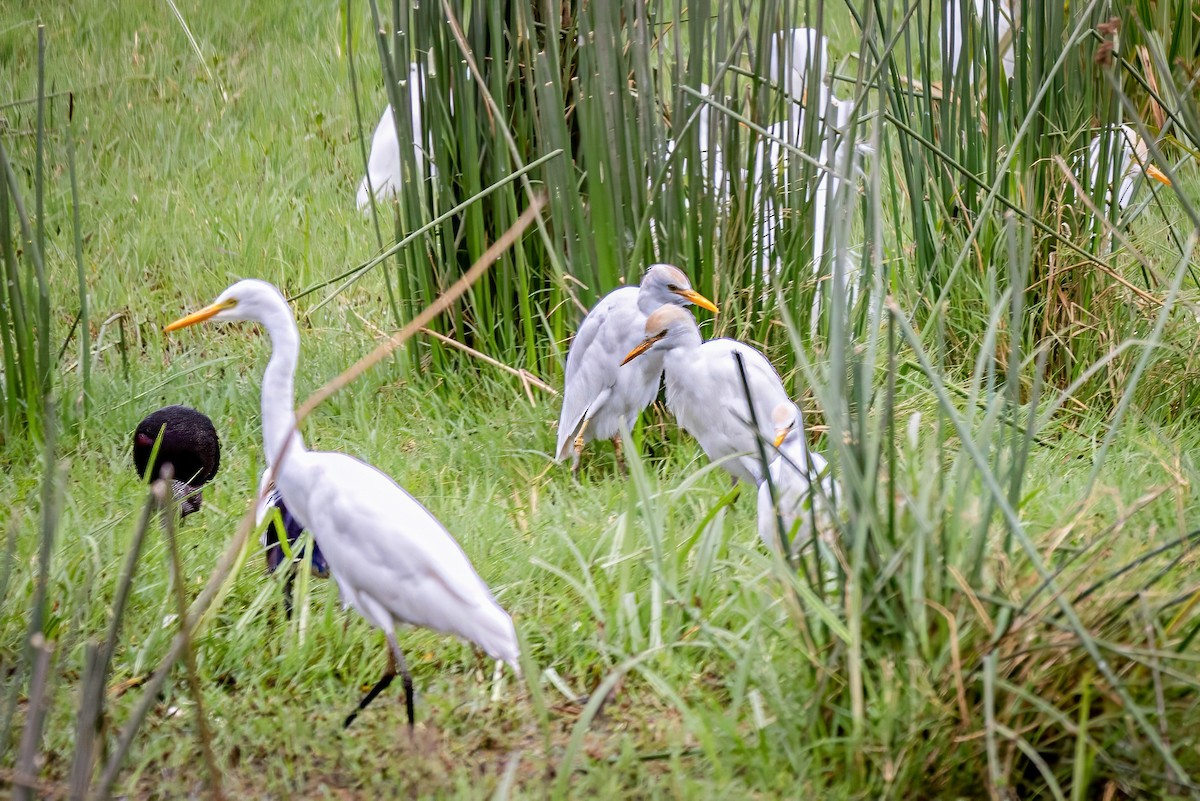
705	392
384	178
795	475
599	392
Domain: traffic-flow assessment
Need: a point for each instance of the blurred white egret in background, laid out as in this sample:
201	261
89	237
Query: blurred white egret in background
393	561
987	15
384	178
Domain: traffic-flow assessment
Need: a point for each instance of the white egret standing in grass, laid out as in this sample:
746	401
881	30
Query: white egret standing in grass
392	560
795	474
189	443
384	178
598	391
797	63
705	392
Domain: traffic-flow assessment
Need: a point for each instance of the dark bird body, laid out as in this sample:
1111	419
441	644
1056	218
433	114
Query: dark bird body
189	444
272	536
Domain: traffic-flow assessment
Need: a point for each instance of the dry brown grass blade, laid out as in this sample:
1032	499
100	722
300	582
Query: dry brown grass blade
447	298
527	378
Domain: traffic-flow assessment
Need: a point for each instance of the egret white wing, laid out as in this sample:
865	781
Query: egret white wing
382	544
615	324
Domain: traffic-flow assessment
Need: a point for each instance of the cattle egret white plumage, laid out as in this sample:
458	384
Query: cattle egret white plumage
705	392
795	474
1128	160
384	176
393	561
599	391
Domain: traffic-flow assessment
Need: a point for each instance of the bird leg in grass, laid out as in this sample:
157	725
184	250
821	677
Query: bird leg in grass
288	583
578	454
619	452
396	664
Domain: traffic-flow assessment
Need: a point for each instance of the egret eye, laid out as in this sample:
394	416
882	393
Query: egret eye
672	287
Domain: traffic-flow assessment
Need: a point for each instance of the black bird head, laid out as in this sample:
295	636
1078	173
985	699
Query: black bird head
188	443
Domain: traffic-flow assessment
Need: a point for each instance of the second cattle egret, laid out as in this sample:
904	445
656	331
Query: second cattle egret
1127	160
393	561
384	177
803	488
188	442
598	391
705	392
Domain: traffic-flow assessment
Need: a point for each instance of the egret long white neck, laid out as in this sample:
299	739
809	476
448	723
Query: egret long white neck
278	386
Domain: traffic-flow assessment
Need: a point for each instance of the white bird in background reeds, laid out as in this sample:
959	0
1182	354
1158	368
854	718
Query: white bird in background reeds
982	16
599	392
705	390
393	561
384	169
802	76
803	487
1126	158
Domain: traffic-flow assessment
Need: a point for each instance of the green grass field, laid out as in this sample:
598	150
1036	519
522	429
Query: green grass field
938	662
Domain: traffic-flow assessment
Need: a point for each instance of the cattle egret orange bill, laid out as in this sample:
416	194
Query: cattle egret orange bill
705	391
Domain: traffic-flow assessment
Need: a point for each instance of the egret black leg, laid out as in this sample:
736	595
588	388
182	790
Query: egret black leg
397	659
288	584
380	686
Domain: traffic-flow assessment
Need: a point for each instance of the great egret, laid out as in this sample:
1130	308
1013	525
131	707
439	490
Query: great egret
705	393
283	527
598	391
393	561
801	76
384	177
189	444
794	474
798	62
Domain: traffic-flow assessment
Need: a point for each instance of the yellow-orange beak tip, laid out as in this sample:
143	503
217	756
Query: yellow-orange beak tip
780	436
642	347
1157	174
699	300
197	317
